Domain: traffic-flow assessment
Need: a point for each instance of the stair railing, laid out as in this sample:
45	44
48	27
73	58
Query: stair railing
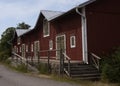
24	61
95	60
67	71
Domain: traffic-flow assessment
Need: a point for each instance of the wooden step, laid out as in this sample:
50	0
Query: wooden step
83	71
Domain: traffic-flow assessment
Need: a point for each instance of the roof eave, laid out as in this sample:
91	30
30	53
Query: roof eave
79	6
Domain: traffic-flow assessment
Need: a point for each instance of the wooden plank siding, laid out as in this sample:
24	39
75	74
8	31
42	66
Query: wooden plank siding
103	19
103	30
70	25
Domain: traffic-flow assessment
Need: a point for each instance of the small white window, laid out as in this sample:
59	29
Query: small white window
17	49
18	40
26	48
72	42
31	47
50	44
46	29
20	50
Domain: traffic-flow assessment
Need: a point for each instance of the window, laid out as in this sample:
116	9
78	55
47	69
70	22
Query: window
20	50
26	48
15	49
36	49
18	40
72	42
46	28
31	47
50	44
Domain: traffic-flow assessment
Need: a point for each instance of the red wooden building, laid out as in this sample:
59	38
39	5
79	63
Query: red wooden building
91	27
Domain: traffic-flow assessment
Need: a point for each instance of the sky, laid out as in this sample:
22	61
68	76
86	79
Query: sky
17	11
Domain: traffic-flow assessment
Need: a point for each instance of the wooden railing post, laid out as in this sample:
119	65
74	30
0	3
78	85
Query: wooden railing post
38	57
27	63
95	60
61	62
48	63
69	67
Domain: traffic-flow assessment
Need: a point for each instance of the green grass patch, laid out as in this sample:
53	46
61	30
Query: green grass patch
83	82
43	68
22	68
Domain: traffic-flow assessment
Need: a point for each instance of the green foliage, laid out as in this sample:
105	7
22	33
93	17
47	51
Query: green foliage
42	67
3	56
8	62
111	67
7	38
23	26
5	47
22	68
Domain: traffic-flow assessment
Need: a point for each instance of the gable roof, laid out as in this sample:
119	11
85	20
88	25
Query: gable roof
52	15
79	6
49	15
21	31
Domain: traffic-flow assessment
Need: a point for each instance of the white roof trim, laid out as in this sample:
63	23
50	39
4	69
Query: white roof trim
21	31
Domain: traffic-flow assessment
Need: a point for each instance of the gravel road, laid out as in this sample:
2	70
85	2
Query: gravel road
9	77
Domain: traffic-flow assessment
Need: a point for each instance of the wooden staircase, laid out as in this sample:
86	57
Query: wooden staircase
83	71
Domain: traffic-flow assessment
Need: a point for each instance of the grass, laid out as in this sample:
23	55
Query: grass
83	82
22	68
19	68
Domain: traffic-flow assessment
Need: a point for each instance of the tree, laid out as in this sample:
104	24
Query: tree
23	26
5	47
6	39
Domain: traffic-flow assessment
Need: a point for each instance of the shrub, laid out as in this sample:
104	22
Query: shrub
22	68
111	67
4	56
43	68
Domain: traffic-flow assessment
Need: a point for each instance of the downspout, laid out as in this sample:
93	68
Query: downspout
84	34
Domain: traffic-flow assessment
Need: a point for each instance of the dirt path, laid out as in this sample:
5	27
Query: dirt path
12	78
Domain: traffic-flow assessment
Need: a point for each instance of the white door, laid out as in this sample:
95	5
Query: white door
23	50
36	49
60	44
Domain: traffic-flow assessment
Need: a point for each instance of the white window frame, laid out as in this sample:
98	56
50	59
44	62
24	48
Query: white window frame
64	43
46	35
50	44
31	47
26	48
72	38
18	40
20	50
15	49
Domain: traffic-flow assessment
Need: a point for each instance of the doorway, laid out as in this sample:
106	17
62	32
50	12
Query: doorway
60	44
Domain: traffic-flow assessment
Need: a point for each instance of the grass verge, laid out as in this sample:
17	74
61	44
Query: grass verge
83	82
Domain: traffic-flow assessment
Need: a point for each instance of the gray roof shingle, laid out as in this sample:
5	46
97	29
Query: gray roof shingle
21	31
49	15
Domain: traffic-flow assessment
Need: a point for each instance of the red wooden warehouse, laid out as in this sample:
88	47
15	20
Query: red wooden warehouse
91	28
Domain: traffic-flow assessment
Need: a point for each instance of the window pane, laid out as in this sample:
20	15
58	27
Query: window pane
45	28
72	42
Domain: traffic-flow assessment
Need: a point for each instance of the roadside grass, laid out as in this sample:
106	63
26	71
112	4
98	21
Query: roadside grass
19	68
83	82
23	69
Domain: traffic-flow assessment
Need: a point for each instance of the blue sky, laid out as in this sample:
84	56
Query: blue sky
17	11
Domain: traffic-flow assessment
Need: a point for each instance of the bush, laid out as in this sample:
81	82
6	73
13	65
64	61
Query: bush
22	68
8	62
4	56
111	67
43	68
